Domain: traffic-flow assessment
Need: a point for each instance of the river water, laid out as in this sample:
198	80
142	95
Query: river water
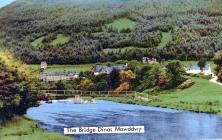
160	123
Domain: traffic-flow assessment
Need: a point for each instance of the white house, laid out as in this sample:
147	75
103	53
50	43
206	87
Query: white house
99	69
43	65
194	69
149	60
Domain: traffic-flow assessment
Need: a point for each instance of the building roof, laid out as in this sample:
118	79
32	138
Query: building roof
195	67
68	74
43	62
108	69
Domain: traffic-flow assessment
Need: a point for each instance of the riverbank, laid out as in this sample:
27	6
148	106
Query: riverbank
23	128
204	97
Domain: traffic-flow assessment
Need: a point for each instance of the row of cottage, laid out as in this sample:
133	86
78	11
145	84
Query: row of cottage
97	70
100	69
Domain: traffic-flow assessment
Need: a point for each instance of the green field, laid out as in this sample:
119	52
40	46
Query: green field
63	68
98	34
203	96
60	39
22	128
71	68
87	67
122	23
166	38
38	42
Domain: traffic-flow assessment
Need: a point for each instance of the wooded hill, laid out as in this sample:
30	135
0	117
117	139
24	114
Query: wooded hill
73	31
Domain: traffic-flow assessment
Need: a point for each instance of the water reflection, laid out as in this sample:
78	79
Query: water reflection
165	124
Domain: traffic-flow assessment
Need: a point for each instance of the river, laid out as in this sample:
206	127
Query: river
160	123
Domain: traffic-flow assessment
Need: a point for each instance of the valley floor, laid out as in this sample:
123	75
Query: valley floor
204	96
22	128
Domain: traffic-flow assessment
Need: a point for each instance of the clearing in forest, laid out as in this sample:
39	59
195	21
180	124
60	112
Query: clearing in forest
166	38
123	23
38	42
60	39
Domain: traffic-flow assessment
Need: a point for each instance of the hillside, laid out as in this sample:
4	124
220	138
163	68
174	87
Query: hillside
74	32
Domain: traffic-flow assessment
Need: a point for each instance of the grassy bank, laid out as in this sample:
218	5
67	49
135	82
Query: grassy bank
22	128
204	96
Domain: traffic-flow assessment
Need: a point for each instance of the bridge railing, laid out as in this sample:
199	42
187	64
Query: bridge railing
88	93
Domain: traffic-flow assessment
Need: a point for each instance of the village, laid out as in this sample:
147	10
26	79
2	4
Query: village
104	69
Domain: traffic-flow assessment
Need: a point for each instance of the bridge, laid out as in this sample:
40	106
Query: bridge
71	93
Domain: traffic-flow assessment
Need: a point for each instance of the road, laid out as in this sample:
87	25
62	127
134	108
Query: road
214	80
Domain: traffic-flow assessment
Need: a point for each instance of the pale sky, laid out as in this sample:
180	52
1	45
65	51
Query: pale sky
5	2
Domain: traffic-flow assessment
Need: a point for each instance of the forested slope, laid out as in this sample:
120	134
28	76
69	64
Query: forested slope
75	31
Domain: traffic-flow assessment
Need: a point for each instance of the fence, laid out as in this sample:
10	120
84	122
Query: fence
56	93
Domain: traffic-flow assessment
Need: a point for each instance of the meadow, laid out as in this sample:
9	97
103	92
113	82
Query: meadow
122	23
37	42
60	39
23	128
87	67
65	68
166	38
203	96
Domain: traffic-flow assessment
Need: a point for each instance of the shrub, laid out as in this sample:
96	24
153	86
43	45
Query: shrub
17	86
188	83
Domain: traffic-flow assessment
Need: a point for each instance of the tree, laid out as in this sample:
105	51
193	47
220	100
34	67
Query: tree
174	70
114	79
18	86
60	85
125	77
87	84
101	82
133	65
218	61
201	63
149	78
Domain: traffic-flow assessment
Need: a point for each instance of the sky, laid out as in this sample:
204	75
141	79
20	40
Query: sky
5	2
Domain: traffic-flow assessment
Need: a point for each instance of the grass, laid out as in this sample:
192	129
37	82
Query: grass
216	7
122	23
167	37
22	128
203	96
38	42
97	34
69	68
60	39
62	68
124	100
87	67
